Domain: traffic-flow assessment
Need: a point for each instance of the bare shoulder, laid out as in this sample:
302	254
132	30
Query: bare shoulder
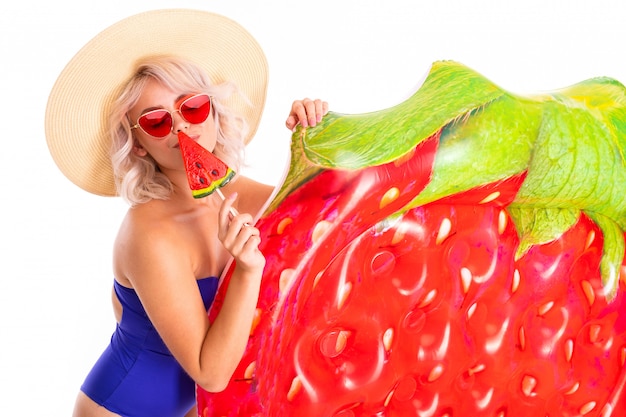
146	221
146	233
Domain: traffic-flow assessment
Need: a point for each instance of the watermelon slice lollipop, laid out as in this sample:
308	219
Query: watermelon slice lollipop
206	173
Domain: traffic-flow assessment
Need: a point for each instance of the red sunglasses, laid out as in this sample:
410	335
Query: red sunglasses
159	122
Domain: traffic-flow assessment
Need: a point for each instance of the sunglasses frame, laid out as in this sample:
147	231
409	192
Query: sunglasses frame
137	125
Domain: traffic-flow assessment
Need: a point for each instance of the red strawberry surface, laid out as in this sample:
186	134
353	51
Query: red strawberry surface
456	327
393	290
460	329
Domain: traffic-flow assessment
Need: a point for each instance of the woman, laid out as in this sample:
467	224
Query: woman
171	248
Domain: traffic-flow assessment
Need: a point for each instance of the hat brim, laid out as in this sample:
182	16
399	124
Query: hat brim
80	100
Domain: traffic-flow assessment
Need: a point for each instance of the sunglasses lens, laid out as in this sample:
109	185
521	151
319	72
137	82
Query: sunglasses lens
157	123
196	109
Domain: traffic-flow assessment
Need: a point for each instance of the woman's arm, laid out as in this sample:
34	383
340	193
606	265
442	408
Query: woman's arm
158	262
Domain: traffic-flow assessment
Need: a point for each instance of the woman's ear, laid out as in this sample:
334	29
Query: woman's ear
139	150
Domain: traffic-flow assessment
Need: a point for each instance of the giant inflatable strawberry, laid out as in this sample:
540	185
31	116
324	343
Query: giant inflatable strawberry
459	254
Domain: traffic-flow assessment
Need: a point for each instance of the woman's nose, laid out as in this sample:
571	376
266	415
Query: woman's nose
178	122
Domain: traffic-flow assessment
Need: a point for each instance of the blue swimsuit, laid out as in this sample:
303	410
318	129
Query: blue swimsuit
137	376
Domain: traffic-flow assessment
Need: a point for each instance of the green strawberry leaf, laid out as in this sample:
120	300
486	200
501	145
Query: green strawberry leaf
539	226
576	164
480	148
612	255
449	92
606	98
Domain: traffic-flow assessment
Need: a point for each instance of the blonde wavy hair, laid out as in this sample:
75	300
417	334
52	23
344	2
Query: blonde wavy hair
138	179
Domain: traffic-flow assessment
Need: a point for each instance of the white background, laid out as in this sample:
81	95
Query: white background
359	55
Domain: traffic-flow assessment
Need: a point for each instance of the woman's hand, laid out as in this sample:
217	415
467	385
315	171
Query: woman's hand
240	238
306	112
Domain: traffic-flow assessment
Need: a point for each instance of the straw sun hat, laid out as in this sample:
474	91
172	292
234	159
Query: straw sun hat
80	100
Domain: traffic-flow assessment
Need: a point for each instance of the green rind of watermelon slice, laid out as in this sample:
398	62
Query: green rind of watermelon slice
205	171
203	192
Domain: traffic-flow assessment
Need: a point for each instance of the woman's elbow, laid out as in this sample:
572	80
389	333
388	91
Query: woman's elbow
215	383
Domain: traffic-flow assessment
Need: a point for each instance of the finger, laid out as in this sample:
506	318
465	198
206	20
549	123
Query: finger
251	249
246	238
300	112
299	109
291	123
225	214
252	257
310	107
321	108
251	239
230	220
238	224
